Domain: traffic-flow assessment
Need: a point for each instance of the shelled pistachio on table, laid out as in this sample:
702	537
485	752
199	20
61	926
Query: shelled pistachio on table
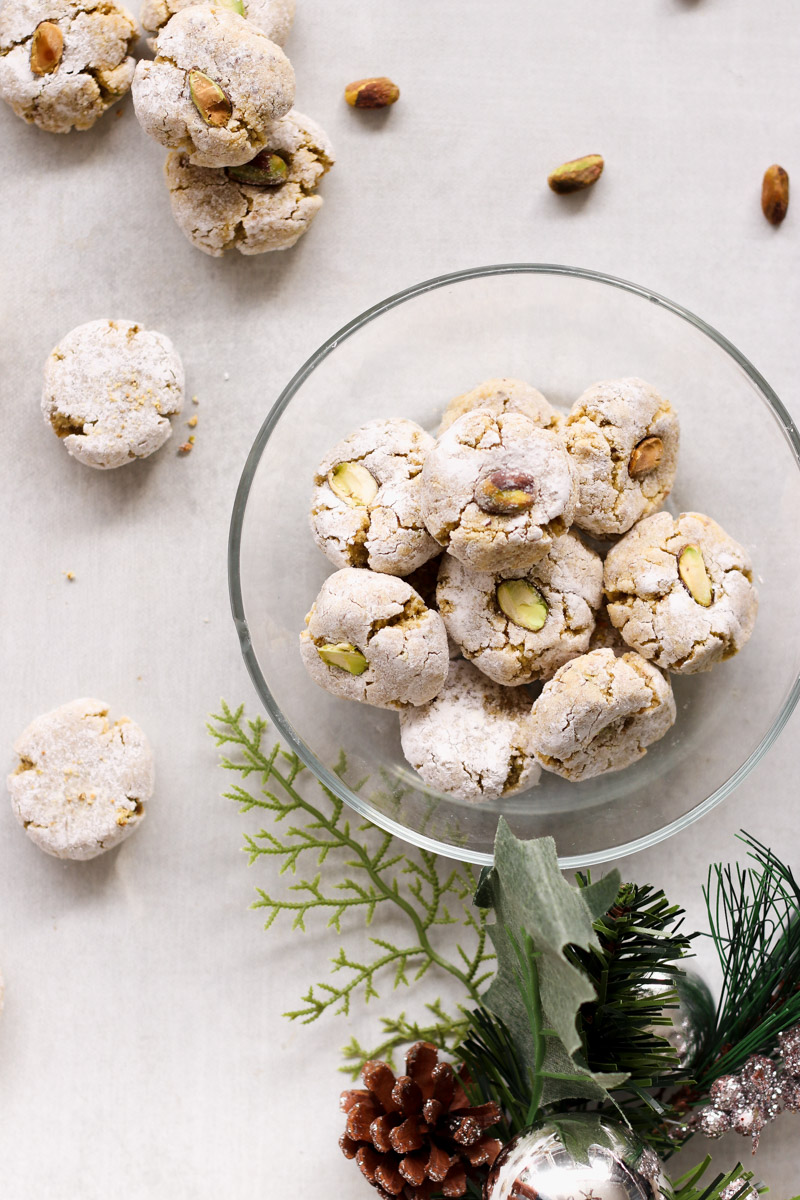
505	491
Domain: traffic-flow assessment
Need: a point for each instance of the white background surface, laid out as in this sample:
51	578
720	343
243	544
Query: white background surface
142	1050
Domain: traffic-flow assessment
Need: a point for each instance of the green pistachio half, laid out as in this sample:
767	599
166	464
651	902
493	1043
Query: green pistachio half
522	603
695	577
352	482
344	656
209	99
265	170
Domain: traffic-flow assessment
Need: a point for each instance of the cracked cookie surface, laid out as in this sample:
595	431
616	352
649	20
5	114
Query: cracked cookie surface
385	623
384	531
599	713
465	456
653	608
82	784
272	17
109	389
499	396
253	73
472	740
623	438
569	580
89	67
218	214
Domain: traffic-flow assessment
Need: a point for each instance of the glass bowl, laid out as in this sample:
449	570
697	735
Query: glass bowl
561	329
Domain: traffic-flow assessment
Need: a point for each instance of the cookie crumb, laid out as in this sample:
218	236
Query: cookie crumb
70	575
187	446
195	399
192	422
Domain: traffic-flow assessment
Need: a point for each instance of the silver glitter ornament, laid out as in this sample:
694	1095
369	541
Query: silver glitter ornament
536	1164
692	1019
727	1093
759	1075
790	1094
713	1122
749	1121
731	1190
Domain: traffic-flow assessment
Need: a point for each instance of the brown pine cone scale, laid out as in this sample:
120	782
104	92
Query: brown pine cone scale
417	1135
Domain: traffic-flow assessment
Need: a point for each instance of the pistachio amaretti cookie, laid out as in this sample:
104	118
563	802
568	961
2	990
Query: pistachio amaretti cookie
622	437
272	17
64	62
472	741
110	388
82	784
366	504
369	637
497	490
266	204
518	628
216	86
502	396
680	591
600	713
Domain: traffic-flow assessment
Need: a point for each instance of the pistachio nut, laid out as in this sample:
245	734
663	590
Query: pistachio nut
352	482
209	99
379	92
505	492
775	194
645	457
47	48
695	577
234	5
267	169
344	656
522	603
577	174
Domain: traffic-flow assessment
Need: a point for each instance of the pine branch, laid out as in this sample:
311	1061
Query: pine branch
689	1186
356	870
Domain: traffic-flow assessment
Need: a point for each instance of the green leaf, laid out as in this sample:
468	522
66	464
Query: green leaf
532	900
578	1133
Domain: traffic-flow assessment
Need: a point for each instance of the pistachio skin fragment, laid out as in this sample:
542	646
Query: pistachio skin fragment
344	656
378	92
352	482
577	174
522	603
694	576
645	457
505	492
775	194
209	99
47	48
265	170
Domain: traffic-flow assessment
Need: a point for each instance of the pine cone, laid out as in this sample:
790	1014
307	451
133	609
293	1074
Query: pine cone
417	1135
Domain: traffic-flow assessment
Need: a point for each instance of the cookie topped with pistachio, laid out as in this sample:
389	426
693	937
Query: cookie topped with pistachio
366	503
64	62
262	205
622	437
516	627
272	17
680	591
472	741
370	637
497	490
502	396
215	87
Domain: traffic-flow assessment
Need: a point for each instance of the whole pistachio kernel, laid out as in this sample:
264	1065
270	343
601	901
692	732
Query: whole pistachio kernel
344	656
695	578
352	482
577	174
209	99
645	457
47	48
378	92
522	603
504	492
265	170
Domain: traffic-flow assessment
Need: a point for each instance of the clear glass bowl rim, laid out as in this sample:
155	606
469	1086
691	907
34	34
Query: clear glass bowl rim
285	730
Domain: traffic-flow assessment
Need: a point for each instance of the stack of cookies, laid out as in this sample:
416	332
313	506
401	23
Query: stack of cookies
559	569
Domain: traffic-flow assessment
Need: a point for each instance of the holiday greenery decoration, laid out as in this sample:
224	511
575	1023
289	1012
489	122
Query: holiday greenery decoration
565	1031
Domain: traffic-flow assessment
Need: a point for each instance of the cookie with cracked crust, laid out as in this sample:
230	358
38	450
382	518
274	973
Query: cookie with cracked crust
64	62
219	210
501	396
366	503
497	490
215	87
472	740
599	713
680	591
82	784
623	438
369	637
520	627
272	17
110	388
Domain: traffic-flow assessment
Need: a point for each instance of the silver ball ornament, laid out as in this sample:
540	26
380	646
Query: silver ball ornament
536	1163
692	1019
